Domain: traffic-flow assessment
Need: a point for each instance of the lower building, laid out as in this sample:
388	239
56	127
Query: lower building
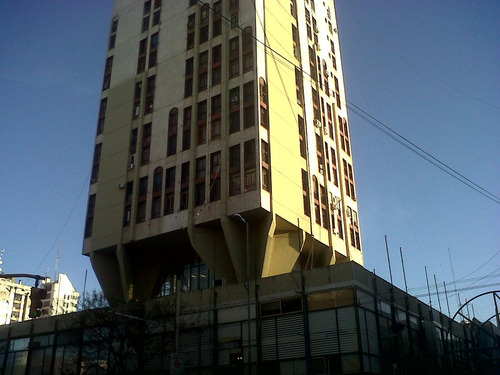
340	319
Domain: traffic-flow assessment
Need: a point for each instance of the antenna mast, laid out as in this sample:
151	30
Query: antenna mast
56	269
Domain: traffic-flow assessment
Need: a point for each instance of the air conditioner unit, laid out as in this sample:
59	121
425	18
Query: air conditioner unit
321	168
234	98
317	123
131	163
131	166
325	130
316	29
121	186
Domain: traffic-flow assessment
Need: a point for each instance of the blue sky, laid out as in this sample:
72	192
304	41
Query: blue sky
427	69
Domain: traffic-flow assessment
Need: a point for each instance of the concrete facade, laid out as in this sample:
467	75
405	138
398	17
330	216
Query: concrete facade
214	115
339	319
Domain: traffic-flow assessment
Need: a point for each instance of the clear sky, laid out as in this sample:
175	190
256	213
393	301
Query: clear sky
428	69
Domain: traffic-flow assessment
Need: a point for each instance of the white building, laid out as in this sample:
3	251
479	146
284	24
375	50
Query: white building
62	297
14	301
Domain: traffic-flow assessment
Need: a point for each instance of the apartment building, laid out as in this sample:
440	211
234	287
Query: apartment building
222	150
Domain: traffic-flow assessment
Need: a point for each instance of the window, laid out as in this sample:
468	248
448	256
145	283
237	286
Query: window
215	188
234	170
215	163
217	19
137	100
317	210
305	193
172	132
298	86
199	194
156	18
293	8
334	167
203	34
169	191
234	51
263	102
201	168
201	129
216	129
186	132
95	164
90	216
216	105
157	4
147	7
153	50
248	105
190	40
157	190
133	140
145	24
234	122
141	62
349	179
107	73
127	213
216	64
146	143
302	137
234	20
344	136
295	41
141	199
234	98
112	42
184	186
102	115
266	178
150	90
249	161
337	92
200	181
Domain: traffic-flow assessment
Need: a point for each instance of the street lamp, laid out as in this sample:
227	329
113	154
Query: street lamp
248	290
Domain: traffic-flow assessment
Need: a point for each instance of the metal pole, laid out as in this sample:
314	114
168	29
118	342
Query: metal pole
388	258
248	301
247	226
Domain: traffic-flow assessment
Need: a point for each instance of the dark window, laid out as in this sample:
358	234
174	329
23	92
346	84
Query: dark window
186	132
203	34
137	100
247	44
141	199
146	143
145	24
147	7
169	190
234	170
95	165
156	18
172	132
127	213
107	73
102	115
150	90
305	193
249	162
266	178
90	216
157	190
141	63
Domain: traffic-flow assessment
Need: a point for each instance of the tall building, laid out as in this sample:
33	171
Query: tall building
220	121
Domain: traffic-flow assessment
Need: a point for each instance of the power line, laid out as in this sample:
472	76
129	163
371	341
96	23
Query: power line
420	152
